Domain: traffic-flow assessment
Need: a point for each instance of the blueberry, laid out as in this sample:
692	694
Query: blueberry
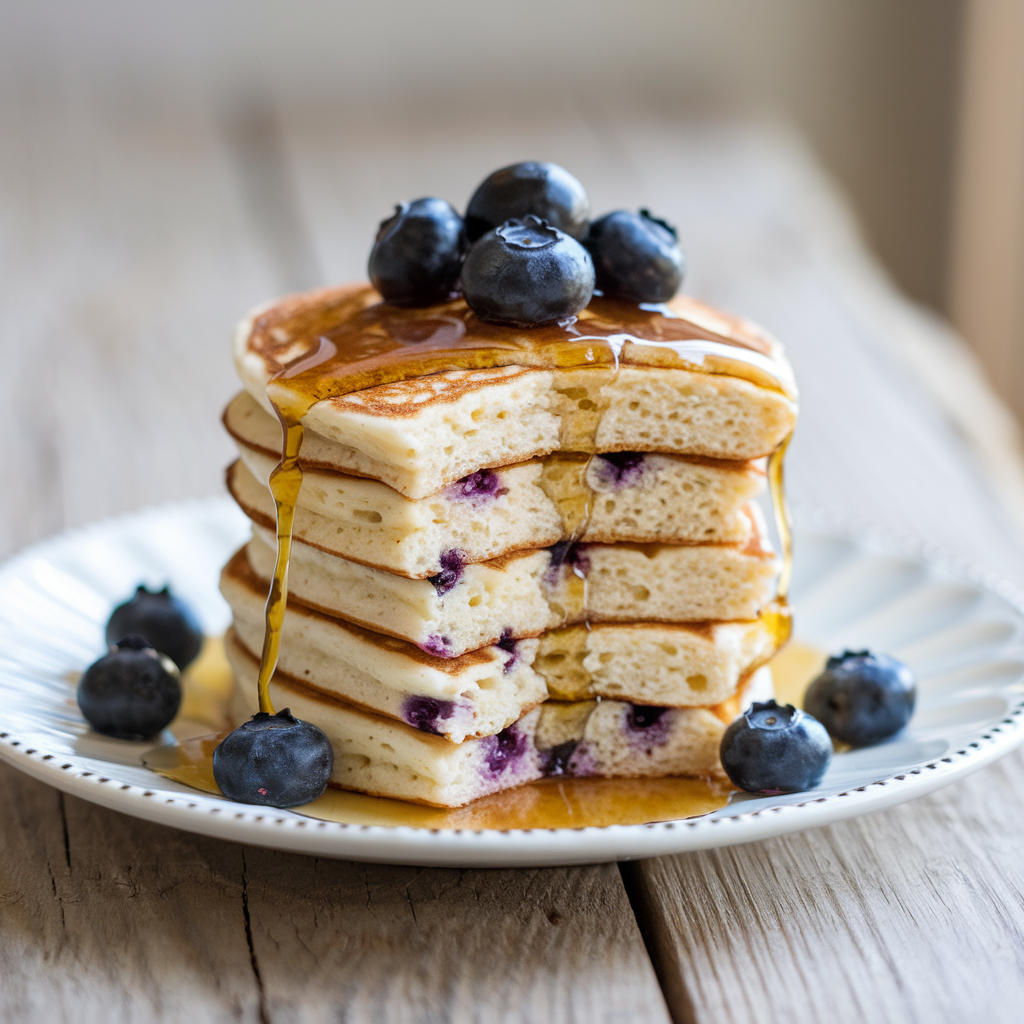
441	646
478	486
424	713
508	643
276	760
545	190
636	256
862	698
163	619
621	469
556	759
504	750
775	748
417	256
527	273
452	565
130	693
644	716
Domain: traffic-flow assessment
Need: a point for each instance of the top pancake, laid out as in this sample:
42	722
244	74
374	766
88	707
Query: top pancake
724	392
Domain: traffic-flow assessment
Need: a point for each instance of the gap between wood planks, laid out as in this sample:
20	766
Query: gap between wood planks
673	988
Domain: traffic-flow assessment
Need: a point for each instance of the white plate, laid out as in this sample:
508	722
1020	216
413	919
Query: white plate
962	632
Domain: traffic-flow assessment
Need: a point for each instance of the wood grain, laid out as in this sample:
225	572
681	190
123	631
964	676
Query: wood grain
128	257
108	919
410	944
910	914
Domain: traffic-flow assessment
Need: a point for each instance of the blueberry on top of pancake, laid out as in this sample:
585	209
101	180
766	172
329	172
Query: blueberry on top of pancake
526	273
417	256
542	189
636	256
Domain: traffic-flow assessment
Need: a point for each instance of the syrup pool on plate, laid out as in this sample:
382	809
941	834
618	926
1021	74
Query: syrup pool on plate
547	803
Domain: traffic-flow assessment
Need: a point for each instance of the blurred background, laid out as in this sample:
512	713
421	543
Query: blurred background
165	166
873	83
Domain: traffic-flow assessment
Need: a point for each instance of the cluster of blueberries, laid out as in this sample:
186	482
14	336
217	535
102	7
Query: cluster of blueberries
526	253
134	691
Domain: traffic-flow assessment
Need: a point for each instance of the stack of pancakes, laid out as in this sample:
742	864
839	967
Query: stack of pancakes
505	574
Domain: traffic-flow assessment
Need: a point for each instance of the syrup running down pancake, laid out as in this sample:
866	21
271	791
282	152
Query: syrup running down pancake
430	621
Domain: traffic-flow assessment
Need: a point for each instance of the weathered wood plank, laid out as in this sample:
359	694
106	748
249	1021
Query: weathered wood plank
416	944
127	260
109	919
910	914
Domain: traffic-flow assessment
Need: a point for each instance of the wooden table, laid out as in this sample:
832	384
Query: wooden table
135	231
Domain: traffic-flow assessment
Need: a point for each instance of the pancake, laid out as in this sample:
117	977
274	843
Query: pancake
478	693
636	496
519	595
421	434
416	541
384	757
481	692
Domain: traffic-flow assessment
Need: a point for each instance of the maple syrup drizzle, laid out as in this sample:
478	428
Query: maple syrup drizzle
779	618
285	481
783	522
362	343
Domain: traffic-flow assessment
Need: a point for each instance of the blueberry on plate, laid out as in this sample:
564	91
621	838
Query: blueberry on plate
276	760
417	256
130	693
527	273
636	256
862	698
545	190
163	619
775	748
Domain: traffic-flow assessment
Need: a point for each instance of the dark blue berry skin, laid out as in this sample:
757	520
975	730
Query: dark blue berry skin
636	256
163	619
545	190
131	693
526	273
275	760
773	748
418	253
862	698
